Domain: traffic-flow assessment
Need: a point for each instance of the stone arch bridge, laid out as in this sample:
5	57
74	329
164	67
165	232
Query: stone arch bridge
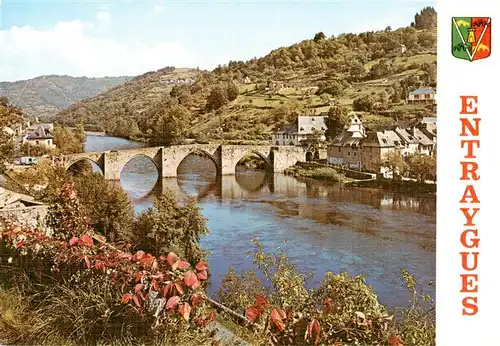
168	159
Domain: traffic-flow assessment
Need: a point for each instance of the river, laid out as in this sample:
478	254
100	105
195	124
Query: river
322	227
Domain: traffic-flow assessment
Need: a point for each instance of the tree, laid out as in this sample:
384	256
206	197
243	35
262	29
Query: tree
169	126
319	36
426	19
9	115
68	141
381	69
171	225
422	167
232	91
217	98
336	120
363	104
394	162
106	205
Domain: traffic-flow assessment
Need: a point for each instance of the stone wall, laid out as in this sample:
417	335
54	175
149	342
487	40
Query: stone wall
32	216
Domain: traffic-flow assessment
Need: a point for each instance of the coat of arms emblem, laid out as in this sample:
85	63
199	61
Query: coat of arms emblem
471	37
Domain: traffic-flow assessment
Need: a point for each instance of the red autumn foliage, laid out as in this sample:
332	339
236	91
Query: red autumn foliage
136	275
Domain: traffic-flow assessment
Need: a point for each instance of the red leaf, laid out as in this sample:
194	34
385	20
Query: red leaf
138	288
190	279
87	240
73	241
196	285
202	275
147	261
172	302
261	303
202	265
138	276
126	298
252	313
185	310
171	258
179	288
184	265
19	244
313	330
276	319
136	301
139	254
394	341
196	298
167	290
154	284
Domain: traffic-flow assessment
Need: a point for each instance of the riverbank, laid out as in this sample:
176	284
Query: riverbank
318	173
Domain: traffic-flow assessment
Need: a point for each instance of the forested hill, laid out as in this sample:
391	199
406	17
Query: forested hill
371	72
46	95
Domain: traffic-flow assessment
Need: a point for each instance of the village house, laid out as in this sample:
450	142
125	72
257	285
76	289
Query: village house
247	80
345	148
41	135
294	134
421	95
357	149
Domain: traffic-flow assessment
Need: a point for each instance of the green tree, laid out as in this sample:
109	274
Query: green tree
319	36
171	225
106	205
9	115
336	120
68	141
169	126
363	104
217	98
426	19
422	167
394	162
381	69
232	91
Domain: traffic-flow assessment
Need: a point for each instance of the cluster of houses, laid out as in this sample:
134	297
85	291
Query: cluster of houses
357	148
176	81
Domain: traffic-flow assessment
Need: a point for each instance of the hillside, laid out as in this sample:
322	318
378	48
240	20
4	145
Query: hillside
371	73
46	95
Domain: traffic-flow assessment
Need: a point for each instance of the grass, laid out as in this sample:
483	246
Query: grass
318	173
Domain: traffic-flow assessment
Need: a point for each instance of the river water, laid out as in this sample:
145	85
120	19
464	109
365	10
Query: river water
322	227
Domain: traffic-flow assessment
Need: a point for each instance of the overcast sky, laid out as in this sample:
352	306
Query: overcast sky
114	38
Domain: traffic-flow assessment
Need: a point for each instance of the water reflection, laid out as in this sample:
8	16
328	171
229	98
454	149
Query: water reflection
326	227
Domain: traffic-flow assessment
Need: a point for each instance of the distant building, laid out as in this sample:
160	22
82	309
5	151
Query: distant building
247	80
41	135
421	95
294	134
429	120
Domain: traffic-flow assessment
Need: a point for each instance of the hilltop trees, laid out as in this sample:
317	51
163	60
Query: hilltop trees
426	19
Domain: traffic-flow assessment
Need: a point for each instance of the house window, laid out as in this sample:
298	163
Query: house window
313	129
37	142
427	96
277	143
339	150
354	153
384	140
348	153
312	119
301	129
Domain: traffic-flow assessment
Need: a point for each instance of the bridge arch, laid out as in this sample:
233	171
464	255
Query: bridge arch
205	153
83	159
151	159
263	157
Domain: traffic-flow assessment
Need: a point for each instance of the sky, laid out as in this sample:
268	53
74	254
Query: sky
126	38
